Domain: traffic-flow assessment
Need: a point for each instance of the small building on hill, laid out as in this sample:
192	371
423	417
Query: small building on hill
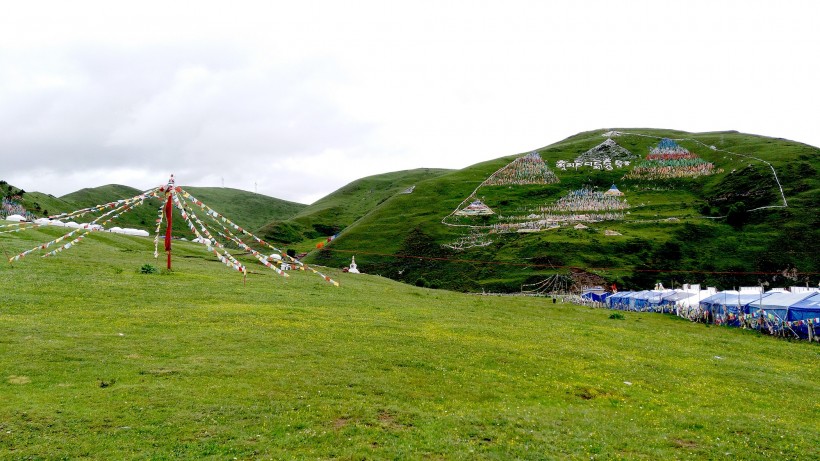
614	192
476	208
353	269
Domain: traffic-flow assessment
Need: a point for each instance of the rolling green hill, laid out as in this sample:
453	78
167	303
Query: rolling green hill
341	208
103	361
721	221
91	196
247	209
45	204
36	203
142	217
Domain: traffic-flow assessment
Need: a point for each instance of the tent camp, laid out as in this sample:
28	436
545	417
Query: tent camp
776	311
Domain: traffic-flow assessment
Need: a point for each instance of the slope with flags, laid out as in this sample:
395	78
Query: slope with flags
214	229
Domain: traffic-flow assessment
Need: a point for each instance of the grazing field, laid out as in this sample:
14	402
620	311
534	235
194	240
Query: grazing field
101	361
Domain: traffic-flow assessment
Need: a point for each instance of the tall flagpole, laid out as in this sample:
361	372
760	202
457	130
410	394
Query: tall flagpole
169	191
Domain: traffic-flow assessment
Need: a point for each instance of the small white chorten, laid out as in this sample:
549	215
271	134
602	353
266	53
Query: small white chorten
352	268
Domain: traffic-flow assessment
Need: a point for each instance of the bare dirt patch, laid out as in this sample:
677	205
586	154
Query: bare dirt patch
18	379
339	423
680	443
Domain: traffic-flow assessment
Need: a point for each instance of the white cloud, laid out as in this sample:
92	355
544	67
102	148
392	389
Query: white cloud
299	98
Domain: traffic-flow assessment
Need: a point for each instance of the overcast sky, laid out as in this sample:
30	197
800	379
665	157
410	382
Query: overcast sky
297	98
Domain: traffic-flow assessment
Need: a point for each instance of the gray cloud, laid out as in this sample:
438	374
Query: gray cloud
203	110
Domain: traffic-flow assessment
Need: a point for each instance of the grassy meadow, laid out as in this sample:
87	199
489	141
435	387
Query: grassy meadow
100	361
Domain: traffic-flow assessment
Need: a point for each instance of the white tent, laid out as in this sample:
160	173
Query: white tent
137	232
15	218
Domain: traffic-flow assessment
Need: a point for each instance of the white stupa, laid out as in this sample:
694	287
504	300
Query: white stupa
352	268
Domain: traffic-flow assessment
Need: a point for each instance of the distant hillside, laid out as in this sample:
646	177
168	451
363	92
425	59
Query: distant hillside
142	217
344	206
247	209
36	203
44	204
697	207
91	196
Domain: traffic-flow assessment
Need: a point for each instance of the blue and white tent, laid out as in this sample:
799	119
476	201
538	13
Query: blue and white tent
651	300
675	296
595	296
728	306
804	314
619	300
640	301
776	304
805	309
632	300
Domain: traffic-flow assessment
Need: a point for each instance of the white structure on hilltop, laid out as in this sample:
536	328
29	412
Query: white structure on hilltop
613	191
353	269
475	208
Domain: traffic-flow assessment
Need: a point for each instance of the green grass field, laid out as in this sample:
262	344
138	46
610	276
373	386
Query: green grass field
100	361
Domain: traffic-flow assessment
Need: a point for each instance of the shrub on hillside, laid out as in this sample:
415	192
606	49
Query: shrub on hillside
148	269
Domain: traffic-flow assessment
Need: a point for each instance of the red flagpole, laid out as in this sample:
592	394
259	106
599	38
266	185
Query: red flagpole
168	215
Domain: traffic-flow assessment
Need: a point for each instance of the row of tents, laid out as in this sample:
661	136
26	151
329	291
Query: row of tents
792	312
75	225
